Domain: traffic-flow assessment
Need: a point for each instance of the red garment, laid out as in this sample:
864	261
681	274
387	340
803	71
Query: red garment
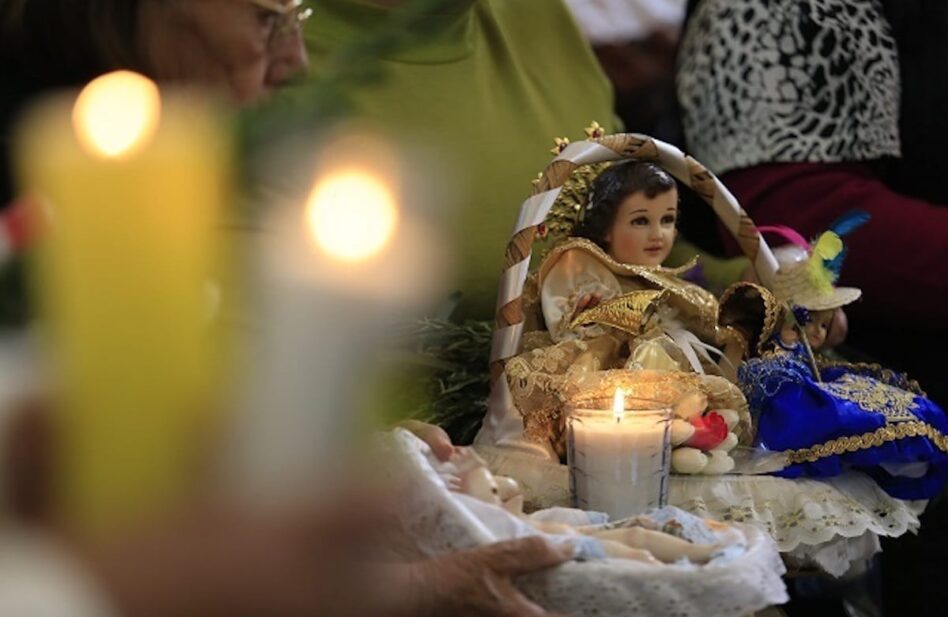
899	258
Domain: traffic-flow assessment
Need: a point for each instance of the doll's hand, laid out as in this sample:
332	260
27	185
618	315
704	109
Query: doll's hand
838	329
789	335
587	301
434	436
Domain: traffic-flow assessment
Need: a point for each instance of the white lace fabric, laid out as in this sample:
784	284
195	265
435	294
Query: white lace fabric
437	520
798	511
831	522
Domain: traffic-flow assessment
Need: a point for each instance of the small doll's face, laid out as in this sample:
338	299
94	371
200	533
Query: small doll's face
643	230
818	327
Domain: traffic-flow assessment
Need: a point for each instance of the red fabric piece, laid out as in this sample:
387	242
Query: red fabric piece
710	430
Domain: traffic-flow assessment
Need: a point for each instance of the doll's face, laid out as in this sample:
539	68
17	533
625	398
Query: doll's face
643	230
818	327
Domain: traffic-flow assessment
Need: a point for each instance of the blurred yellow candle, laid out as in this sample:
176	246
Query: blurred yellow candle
130	186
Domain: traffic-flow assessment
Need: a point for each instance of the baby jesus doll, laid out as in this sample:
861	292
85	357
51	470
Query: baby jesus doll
616	259
830	416
605	301
639	539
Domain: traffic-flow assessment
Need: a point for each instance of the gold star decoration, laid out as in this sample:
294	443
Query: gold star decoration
561	143
594	131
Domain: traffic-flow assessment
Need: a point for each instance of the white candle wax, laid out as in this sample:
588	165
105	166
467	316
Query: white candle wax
335	273
618	465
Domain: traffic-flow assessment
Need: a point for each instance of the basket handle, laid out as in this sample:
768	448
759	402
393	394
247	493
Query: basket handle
508	327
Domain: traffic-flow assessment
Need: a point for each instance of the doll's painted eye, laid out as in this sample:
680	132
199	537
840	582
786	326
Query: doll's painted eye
668	219
640	220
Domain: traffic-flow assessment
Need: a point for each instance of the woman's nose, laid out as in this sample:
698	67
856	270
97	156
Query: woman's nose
289	58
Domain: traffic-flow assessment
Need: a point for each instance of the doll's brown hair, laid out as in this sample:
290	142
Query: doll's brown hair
611	187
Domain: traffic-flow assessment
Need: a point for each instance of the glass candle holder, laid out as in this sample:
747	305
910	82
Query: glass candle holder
619	458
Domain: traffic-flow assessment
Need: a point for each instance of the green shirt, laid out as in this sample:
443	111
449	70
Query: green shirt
485	95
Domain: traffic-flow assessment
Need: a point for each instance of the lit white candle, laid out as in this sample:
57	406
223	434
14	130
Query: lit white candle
618	460
333	273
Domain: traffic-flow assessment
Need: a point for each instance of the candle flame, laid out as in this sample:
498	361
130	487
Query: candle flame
618	404
352	214
116	114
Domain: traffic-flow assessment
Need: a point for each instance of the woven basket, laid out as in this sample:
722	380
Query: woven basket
509	324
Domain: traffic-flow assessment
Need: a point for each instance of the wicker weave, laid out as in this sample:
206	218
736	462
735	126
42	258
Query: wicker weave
624	146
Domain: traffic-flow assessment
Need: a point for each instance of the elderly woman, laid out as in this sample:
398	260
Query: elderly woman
245	48
215	561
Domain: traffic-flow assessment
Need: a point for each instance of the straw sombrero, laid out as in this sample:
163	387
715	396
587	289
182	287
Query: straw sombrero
807	274
795	285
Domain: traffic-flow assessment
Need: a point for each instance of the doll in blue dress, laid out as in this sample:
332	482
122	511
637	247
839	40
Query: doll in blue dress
828	417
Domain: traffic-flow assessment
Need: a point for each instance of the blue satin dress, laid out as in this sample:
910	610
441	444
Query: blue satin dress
858	416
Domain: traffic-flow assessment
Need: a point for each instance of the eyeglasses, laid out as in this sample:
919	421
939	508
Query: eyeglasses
289	16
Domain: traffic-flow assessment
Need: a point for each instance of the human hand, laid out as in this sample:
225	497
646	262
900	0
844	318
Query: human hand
227	561
477	582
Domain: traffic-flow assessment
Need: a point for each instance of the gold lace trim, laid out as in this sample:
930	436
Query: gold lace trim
616	267
872	369
874	396
628	312
696	302
854	443
569	209
773	310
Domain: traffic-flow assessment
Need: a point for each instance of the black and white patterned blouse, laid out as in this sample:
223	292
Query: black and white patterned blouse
762	81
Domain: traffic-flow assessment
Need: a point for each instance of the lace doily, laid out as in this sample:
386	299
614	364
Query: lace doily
437	520
836	556
814	521
798	511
